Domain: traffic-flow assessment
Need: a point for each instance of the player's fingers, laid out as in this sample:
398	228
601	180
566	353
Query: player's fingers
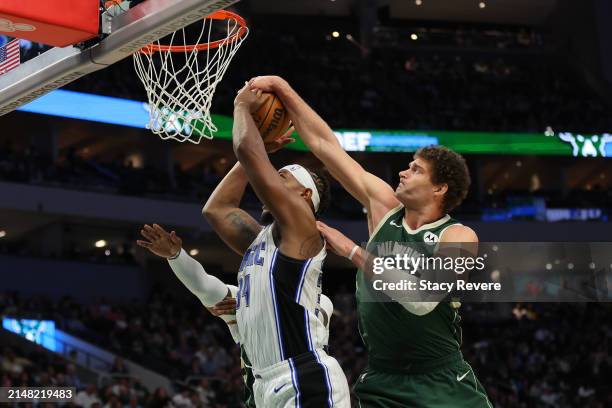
287	141
289	132
243	88
213	311
147	235
159	230
225	308
226	302
259	92
144	244
150	229
322	227
252	82
225	311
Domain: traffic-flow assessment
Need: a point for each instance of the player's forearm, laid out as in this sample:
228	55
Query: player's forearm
246	139
313	130
209	289
227	195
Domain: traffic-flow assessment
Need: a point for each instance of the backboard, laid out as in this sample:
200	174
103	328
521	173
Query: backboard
122	36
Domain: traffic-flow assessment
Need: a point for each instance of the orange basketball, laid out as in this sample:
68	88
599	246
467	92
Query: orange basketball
271	118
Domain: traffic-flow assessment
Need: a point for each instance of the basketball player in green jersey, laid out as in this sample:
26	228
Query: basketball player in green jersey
414	357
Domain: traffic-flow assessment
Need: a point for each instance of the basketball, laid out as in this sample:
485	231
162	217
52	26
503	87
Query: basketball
271	118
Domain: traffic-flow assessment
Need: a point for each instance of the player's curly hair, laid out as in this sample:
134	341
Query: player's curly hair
448	167
322	182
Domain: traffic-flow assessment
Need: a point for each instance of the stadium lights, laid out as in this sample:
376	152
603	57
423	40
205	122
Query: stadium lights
482	4
335	34
194	252
107	252
414	37
418	2
2	234
100	244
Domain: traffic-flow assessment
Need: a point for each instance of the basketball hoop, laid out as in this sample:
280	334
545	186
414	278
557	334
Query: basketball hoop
180	79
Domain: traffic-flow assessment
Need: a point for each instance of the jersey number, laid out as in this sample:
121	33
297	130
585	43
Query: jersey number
244	290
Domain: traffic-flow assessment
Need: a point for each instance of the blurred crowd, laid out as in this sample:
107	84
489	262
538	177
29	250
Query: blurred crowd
73	171
527	356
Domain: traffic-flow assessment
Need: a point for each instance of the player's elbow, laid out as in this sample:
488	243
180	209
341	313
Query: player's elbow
245	152
241	149
211	211
207	210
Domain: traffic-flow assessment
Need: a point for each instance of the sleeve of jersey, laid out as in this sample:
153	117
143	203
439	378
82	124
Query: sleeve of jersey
415	303
209	289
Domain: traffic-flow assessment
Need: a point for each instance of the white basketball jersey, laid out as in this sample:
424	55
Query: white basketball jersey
278	303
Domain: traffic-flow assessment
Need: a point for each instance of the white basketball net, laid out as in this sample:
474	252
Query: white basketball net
180	85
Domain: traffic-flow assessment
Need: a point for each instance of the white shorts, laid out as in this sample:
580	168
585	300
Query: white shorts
311	379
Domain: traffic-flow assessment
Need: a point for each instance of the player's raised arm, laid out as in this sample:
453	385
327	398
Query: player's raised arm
235	226
372	192
209	289
300	238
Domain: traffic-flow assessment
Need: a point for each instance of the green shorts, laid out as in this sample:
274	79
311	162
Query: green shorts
453	386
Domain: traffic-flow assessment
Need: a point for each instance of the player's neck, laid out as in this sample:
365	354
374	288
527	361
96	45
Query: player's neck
416	218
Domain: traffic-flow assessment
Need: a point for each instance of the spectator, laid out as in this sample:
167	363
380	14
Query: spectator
87	397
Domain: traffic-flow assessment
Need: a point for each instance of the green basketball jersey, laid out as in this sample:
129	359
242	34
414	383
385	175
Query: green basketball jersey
248	378
396	338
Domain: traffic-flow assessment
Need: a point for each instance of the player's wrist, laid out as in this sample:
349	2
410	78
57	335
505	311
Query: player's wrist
176	255
279	85
350	254
242	106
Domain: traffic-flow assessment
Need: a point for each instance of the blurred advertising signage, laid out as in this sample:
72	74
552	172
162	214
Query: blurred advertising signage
535	212
125	112
37	331
377	141
588	146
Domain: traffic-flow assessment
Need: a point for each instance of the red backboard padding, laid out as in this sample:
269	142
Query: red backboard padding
58	23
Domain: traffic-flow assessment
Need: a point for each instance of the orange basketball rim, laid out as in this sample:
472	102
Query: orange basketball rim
218	15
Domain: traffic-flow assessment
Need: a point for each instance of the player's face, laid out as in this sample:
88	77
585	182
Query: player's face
292	185
415	186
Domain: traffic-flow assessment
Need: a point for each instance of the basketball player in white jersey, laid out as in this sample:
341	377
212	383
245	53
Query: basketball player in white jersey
279	279
215	295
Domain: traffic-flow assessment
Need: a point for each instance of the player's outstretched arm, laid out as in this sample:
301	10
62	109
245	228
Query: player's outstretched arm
372	192
300	238
222	211
209	289
361	258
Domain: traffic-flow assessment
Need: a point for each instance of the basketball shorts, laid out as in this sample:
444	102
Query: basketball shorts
453	386
310	380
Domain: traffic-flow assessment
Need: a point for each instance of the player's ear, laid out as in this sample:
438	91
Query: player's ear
307	193
440	189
